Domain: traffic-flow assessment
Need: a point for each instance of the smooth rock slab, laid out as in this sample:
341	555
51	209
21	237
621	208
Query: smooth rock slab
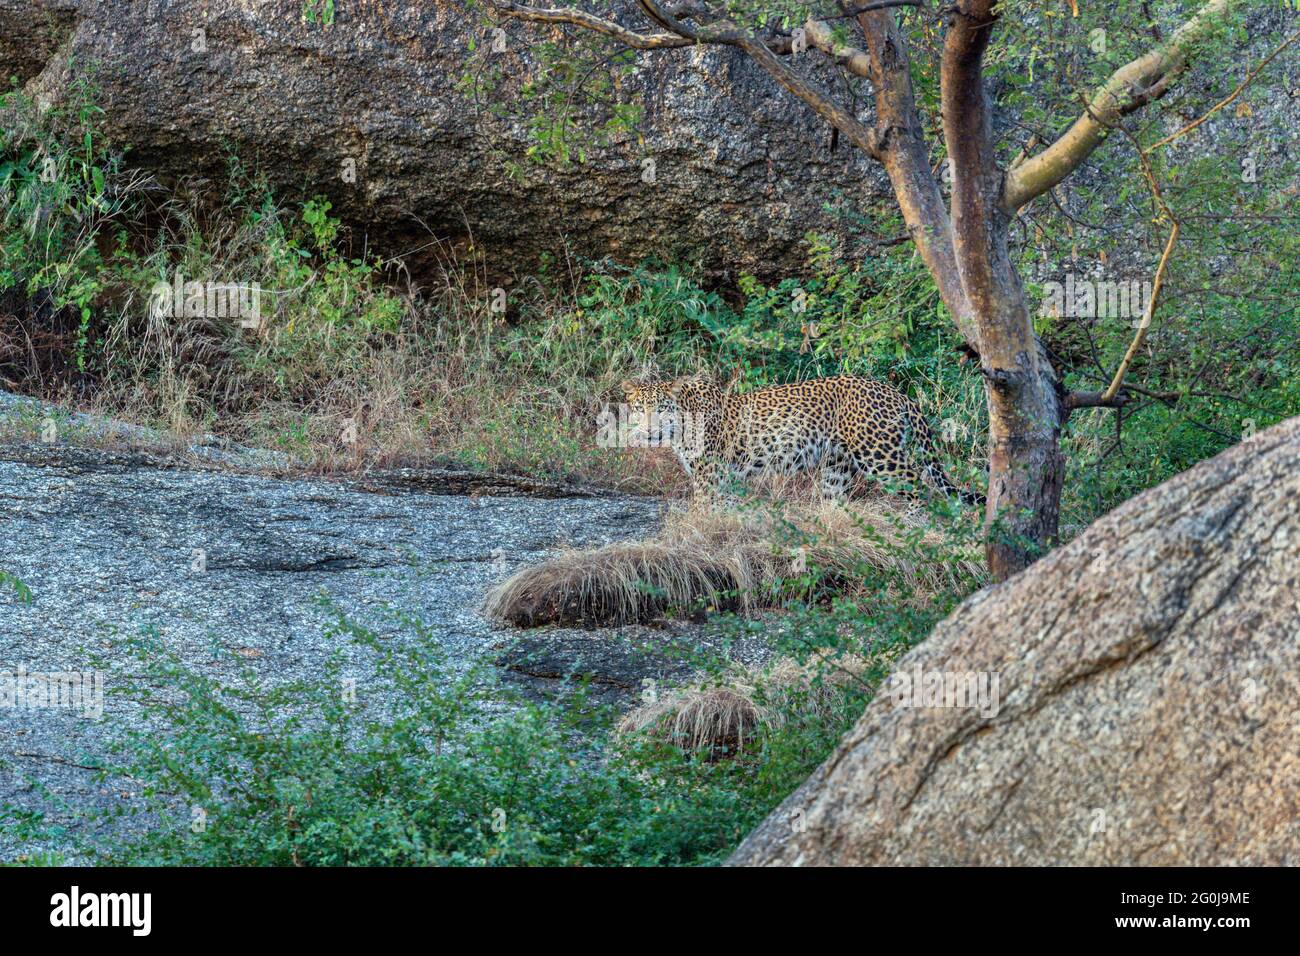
229	570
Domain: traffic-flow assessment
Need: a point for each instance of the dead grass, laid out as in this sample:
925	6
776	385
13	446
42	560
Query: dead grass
724	717
743	558
351	365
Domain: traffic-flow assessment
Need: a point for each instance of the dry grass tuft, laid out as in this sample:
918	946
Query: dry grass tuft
723	718
745	558
720	721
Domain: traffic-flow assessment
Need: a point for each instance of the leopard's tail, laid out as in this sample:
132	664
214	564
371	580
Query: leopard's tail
934	474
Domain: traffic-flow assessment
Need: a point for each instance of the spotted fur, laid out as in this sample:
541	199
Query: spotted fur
841	428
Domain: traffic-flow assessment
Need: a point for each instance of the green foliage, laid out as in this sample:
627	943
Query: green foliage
838	317
298	773
650	313
21	591
330	310
318	11
59	188
568	107
71	234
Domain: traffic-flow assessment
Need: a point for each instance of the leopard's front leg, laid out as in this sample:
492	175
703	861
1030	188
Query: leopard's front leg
706	481
719	483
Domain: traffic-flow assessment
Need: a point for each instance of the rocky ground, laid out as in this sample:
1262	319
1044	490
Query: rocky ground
229	567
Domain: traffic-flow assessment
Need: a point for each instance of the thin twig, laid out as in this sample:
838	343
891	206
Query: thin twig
1229	98
1149	313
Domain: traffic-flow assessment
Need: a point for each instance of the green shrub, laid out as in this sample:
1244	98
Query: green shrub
297	774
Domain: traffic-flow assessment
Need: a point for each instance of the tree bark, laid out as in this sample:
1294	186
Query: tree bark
1026	467
901	149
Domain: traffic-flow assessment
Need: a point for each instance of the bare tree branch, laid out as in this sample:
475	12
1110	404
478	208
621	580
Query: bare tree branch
821	37
1227	99
879	5
1094	400
1129	88
1148	314
589	21
817	99
821	103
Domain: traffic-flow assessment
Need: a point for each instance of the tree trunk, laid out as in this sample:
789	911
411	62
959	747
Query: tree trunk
906	158
1026	468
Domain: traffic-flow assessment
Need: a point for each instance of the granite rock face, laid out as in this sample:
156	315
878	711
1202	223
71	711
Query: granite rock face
371	112
741	171
1147	707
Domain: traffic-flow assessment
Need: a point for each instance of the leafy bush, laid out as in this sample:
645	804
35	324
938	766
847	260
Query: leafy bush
296	774
63	196
8	582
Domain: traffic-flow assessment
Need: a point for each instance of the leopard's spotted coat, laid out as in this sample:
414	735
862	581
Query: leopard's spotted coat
840	428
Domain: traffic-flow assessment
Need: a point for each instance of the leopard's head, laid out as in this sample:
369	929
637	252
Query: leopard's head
678	412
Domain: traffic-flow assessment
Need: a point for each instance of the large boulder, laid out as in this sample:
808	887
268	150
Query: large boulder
741	170
1149	678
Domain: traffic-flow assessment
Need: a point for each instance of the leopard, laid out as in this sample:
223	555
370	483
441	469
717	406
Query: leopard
840	428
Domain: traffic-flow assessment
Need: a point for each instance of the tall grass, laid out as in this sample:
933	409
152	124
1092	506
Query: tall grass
352	364
761	555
